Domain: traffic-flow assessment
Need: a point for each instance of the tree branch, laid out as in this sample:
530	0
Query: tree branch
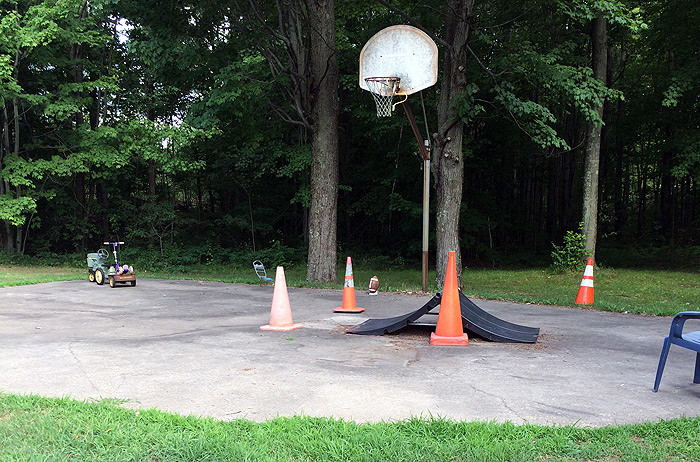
286	117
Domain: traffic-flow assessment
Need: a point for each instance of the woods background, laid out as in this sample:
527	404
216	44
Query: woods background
188	125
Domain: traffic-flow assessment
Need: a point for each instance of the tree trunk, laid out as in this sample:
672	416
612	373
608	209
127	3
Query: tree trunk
449	156
4	151
620	178
101	186
151	180
323	209
592	154
75	54
667	181
666	190
13	230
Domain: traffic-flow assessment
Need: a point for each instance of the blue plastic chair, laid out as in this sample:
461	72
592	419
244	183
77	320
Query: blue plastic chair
690	341
260	271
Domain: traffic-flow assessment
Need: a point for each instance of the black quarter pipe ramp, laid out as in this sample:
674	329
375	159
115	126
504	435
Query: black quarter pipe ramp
474	319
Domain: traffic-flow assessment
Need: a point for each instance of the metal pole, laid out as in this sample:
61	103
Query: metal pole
426	216
424	146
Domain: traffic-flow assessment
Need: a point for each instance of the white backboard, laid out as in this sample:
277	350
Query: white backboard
400	51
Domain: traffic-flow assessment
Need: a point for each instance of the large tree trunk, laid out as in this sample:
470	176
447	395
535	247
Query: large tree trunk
323	210
449	156
592	155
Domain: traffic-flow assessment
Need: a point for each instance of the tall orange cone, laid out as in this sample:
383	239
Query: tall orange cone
449	330
585	290
349	305
281	313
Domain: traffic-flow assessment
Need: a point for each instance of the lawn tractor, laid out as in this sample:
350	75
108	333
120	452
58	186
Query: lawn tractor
98	269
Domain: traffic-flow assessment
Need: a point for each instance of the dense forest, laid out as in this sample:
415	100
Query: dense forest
191	124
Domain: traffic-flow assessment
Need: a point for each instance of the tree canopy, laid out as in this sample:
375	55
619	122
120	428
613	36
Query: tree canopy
188	123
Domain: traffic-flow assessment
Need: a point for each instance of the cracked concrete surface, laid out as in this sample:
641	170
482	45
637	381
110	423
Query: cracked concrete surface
196	348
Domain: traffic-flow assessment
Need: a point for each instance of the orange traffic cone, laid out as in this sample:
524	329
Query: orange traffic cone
585	290
449	330
349	292
281	313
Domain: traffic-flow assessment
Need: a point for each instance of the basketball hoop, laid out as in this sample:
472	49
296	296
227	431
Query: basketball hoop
383	89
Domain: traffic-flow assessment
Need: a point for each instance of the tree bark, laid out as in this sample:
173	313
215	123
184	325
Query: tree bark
76	55
592	154
303	46
4	151
323	209
620	177
667	181
449	155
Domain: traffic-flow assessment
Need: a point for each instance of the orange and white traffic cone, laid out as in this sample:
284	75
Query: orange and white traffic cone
349	305
449	329
281	312
585	290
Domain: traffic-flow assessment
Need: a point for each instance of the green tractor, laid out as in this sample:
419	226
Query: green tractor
98	268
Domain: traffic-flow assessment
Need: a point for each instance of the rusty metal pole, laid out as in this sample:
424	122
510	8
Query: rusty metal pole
426	214
424	146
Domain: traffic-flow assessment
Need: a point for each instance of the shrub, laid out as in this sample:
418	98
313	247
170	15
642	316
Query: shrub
571	255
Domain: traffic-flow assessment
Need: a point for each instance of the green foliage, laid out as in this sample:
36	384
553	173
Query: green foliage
465	107
180	98
616	11
15	209
679	85
533	118
571	255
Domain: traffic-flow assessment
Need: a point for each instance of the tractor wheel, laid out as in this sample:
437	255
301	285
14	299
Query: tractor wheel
111	282
133	283
91	276
99	276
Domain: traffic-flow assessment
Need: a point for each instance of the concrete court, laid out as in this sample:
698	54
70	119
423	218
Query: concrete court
195	348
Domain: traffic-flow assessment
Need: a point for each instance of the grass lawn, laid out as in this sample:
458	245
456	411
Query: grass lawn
659	292
21	275
662	292
47	429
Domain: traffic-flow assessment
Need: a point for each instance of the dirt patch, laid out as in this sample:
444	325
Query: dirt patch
342	329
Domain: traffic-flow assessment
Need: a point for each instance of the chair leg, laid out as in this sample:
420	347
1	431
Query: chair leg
662	363
696	378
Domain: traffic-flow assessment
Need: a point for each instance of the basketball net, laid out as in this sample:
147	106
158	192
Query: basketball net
383	90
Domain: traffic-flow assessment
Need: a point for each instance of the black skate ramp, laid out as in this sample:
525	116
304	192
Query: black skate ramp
389	325
474	320
488	326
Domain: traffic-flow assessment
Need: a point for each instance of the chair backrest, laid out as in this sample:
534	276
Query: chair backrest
260	269
679	321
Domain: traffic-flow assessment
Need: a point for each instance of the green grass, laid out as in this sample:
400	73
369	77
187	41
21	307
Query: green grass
22	275
657	292
48	429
